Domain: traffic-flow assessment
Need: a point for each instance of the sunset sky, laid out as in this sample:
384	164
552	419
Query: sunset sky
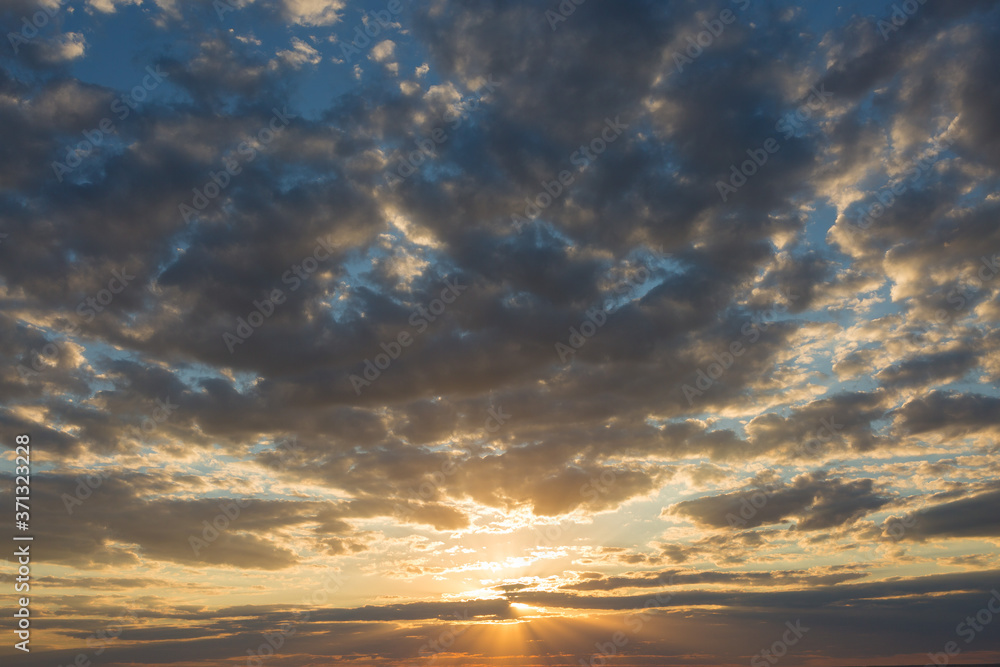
494	333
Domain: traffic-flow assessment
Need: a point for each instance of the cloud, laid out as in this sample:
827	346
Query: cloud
383	50
108	522
815	501
313	12
818	577
64	48
968	517
951	412
847	370
300	54
111	6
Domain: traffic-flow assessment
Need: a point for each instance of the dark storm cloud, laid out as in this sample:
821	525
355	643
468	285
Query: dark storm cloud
922	225
817	501
829	611
869	59
112	583
232	631
978	582
924	370
525	290
965	518
725	550
820	577
950	412
216	279
825	424
585	434
114	522
226	69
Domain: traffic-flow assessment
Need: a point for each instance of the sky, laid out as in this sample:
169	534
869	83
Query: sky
501	333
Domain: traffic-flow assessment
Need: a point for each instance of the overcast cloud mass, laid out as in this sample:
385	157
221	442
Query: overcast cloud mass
496	332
